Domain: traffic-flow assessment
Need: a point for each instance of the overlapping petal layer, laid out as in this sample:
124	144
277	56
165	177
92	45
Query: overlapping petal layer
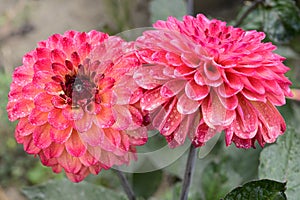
213	77
71	111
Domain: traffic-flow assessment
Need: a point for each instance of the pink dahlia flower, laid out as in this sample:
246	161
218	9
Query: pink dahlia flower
71	111
202	77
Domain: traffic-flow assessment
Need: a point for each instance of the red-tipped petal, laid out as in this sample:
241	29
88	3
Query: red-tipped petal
57	119
75	146
60	136
93	136
41	136
43	102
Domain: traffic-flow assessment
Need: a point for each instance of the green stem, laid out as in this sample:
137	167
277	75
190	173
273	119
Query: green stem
190	165
125	184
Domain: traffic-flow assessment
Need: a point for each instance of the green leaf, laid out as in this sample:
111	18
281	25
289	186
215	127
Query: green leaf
66	190
145	184
161	9
281	20
261	189
281	162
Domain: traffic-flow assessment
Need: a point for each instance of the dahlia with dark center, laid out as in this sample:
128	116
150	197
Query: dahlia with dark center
202	77
67	98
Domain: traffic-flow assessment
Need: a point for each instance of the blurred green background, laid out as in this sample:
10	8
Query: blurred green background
25	22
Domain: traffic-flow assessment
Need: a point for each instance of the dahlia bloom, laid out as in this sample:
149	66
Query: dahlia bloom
71	111
202	77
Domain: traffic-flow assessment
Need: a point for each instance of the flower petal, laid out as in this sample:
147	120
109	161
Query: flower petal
75	146
172	88
60	136
196	92
41	136
152	99
187	106
93	136
57	119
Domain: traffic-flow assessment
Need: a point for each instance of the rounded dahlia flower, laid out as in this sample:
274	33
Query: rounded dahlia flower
202	77
72	112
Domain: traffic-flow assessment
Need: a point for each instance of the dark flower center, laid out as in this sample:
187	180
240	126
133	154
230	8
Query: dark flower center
79	89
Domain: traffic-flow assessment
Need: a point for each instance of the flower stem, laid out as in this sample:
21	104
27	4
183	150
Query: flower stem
190	165
125	184
190	7
248	11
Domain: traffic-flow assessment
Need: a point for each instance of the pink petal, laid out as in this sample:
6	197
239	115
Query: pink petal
152	99
40	78
41	136
187	106
75	146
29	146
22	75
72	114
60	136
138	136
225	90
253	96
58	56
190	59
143	77
105	117
70	163
196	92
43	102
203	134
38	118
93	136
59	69
168	118
58	102
183	70
173	59
122	116
54	150
215	114
29	91
57	119
172	88
24	127
21	109
271	118
87	159
230	103
85	123
53	88
42	65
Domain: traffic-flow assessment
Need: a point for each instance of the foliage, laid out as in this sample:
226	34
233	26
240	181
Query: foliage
281	162
262	189
279	19
64	189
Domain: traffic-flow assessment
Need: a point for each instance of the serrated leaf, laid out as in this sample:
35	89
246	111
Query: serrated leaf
161	9
281	162
261	189
66	190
